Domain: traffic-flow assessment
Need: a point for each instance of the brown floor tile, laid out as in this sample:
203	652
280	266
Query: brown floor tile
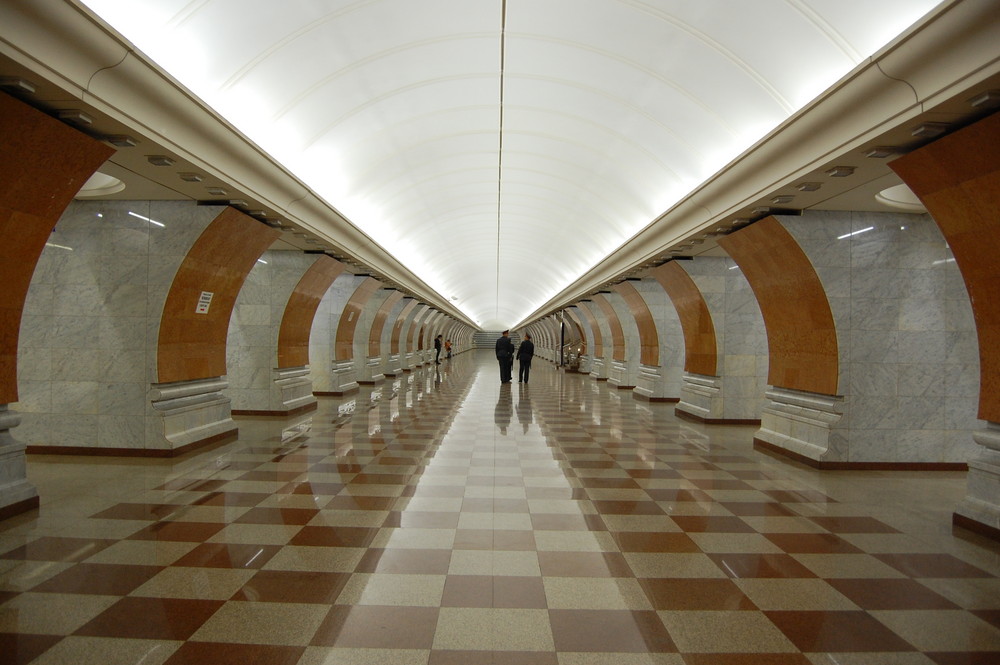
628	508
746	659
891	594
931	565
312	489
612	631
151	512
53	548
21	648
799	496
422	519
272	476
228	555
719	484
500	539
757	509
643	541
848	524
295	516
583	564
379	479
965	658
99	578
654	474
188	532
232	499
493	591
837	632
989	616
760	565
672	495
609	483
212	653
151	618
291	586
695	594
405	561
326	536
559	522
440	657
710	524
812	543
351	502
574	493
372	626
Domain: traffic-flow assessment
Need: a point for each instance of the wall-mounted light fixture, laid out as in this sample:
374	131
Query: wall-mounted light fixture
159	160
840	171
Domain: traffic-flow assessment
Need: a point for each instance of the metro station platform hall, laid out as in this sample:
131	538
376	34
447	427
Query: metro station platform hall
763	422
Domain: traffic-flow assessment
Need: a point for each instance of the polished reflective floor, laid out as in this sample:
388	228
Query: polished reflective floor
445	519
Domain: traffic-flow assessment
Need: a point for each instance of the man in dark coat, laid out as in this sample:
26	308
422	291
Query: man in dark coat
525	352
437	350
505	356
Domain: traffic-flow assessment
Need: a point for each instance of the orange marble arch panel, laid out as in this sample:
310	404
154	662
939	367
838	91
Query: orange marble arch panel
801	336
957	178
700	350
594	328
43	164
418	325
575	320
617	334
344	344
192	345
397	327
296	322
649	341
378	324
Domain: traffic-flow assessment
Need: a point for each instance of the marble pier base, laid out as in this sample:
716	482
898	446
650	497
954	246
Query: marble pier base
187	414
371	370
980	510
393	366
802	426
649	385
701	397
599	369
292	389
17	495
343	379
619	376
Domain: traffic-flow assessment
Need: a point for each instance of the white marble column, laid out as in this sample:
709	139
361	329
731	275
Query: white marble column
17	494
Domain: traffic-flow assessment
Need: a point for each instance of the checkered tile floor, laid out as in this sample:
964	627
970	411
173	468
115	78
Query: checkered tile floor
447	519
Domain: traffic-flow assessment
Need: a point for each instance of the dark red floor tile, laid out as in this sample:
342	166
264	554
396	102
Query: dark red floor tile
965	658
439	657
583	564
711	524
652	541
799	496
272	476
22	648
212	653
837	632
188	532
695	594
151	618
609	483
615	631
99	578
989	616
374	626
234	499
812	543
328	536
746	659
891	594
293	516
54	548
757	509
719	484
673	495
857	524
931	565
740	565
405	561
151	512
362	502
228	555
292	586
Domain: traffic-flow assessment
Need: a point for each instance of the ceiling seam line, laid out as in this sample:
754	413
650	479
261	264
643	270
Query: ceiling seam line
503	40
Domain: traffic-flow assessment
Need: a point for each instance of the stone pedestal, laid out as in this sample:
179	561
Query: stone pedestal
393	366
187	414
343	378
701	397
17	495
803	426
621	376
292	390
599	369
371	370
980	510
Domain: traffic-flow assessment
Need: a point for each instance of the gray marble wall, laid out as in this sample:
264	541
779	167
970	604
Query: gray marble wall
324	332
87	348
909	360
669	336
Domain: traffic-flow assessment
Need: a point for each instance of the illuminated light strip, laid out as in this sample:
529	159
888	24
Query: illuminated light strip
854	233
147	219
262	261
939	262
52	244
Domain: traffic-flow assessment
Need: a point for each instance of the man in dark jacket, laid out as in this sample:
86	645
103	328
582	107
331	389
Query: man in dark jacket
437	350
505	356
525	351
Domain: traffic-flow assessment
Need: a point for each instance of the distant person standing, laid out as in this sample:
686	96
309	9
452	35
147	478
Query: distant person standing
505	356
437	350
525	352
447	349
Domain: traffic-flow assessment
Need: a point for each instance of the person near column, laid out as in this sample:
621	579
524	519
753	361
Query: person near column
447	349
505	356
437	350
525	352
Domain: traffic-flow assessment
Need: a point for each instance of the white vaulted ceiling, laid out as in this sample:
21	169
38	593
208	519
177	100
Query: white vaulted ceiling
500	149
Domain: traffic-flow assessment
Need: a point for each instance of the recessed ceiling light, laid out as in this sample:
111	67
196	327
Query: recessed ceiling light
808	186
985	100
17	84
929	130
190	177
216	191
159	160
784	198
121	140
75	116
881	151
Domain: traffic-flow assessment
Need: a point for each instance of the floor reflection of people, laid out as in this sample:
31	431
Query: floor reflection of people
525	413
502	414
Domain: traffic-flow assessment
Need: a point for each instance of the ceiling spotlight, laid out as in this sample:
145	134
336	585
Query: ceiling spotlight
216	191
930	130
881	151
237	203
257	213
121	140
740	221
159	160
760	210
676	251
985	100
190	177
784	198
840	171
17	84
696	241
75	116
808	186
287	228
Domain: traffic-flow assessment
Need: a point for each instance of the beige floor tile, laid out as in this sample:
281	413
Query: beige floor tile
108	651
415	538
342	656
390	589
561	507
256	534
370	518
490	562
613	593
971	593
657	564
794	594
566	658
491	629
726	543
941	630
201	583
574	541
318	559
291	624
892	658
51	613
846	566
24	575
650	523
143	552
725	632
783	525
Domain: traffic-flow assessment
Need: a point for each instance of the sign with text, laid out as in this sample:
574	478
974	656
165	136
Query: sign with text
204	302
